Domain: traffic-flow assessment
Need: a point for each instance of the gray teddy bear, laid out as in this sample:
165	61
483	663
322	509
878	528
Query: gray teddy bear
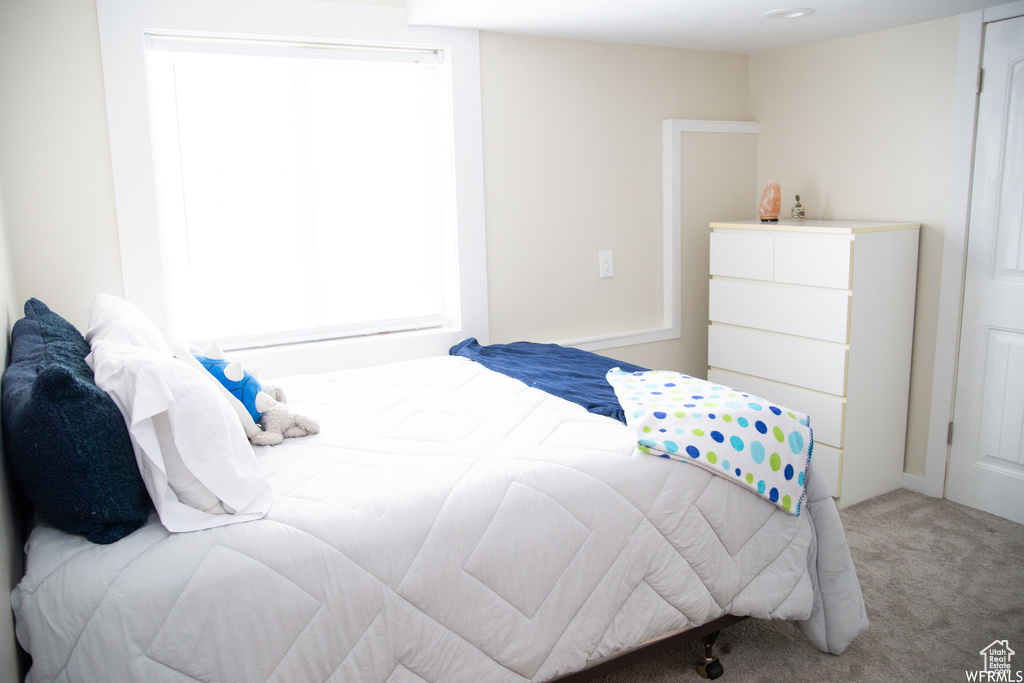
278	423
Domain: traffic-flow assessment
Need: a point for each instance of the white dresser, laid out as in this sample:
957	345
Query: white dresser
819	317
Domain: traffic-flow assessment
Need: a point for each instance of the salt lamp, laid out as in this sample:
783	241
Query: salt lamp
771	202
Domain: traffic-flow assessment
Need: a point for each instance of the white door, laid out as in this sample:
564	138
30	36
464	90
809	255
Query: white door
986	466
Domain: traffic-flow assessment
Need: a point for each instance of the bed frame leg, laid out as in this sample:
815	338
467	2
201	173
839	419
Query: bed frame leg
710	668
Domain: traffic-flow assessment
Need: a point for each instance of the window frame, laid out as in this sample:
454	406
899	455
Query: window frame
123	25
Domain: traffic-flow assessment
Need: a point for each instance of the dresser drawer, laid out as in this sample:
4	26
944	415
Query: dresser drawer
818	261
826	411
829	462
742	255
815	313
808	363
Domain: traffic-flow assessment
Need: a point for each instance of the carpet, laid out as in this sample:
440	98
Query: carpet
941	582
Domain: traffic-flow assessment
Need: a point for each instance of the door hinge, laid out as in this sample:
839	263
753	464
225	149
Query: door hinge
981	79
949	435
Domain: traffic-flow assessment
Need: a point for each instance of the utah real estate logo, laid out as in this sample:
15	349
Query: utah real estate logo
996	665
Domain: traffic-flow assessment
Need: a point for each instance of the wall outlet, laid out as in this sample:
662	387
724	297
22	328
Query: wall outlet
607	264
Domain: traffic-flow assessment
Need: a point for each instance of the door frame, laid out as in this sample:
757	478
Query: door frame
954	252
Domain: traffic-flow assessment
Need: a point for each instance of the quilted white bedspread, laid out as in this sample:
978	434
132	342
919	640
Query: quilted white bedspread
447	524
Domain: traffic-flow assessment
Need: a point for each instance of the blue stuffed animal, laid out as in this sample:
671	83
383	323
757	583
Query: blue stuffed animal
261	408
239	382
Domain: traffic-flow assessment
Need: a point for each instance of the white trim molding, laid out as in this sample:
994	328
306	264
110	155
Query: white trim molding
671	239
954	253
912	482
122	28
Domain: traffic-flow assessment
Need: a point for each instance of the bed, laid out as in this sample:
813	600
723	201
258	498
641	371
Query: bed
447	523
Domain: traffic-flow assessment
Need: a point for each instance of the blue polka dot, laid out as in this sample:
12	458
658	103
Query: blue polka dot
775	410
663	430
717	436
759	426
773	495
669	384
693	452
760	486
671	446
742	422
788	472
755	406
638	413
734	405
738	473
725	465
737	443
658	393
660	415
663	455
796	441
689	405
711	416
696	398
647	443
757	452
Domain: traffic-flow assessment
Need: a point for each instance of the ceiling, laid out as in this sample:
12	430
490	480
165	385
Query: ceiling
719	25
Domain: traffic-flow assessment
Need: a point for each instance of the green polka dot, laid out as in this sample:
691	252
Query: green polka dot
698	432
780	436
712	458
710	405
750	478
647	430
791	414
727	418
679	414
644	449
776	462
787	502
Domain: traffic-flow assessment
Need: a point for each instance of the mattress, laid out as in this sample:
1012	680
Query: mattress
448	523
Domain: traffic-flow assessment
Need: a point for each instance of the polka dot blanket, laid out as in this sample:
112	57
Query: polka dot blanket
748	440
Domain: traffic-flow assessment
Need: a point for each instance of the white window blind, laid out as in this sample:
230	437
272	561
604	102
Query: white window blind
305	191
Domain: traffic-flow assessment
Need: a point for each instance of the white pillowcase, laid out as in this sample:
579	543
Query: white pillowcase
114	319
195	459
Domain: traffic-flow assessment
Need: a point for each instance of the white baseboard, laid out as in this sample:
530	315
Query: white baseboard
914	483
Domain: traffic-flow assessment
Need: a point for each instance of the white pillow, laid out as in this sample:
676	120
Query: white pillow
196	461
114	319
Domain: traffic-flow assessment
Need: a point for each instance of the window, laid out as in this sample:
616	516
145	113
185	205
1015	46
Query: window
309	180
306	185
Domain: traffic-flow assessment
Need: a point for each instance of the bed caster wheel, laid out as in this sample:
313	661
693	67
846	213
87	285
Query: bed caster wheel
710	669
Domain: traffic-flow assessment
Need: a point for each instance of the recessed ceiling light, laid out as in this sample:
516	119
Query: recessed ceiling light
788	13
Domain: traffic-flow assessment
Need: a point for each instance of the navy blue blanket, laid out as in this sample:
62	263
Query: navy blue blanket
572	374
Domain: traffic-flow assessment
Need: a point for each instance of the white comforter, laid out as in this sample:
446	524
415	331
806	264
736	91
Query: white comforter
447	524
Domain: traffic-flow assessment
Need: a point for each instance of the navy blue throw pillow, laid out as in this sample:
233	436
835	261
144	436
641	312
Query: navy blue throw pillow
65	439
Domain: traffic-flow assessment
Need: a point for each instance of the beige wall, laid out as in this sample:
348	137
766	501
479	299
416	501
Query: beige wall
860	128
11	564
572	167
55	155
572	161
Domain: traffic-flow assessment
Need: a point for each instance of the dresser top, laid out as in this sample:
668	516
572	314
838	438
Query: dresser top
834	227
